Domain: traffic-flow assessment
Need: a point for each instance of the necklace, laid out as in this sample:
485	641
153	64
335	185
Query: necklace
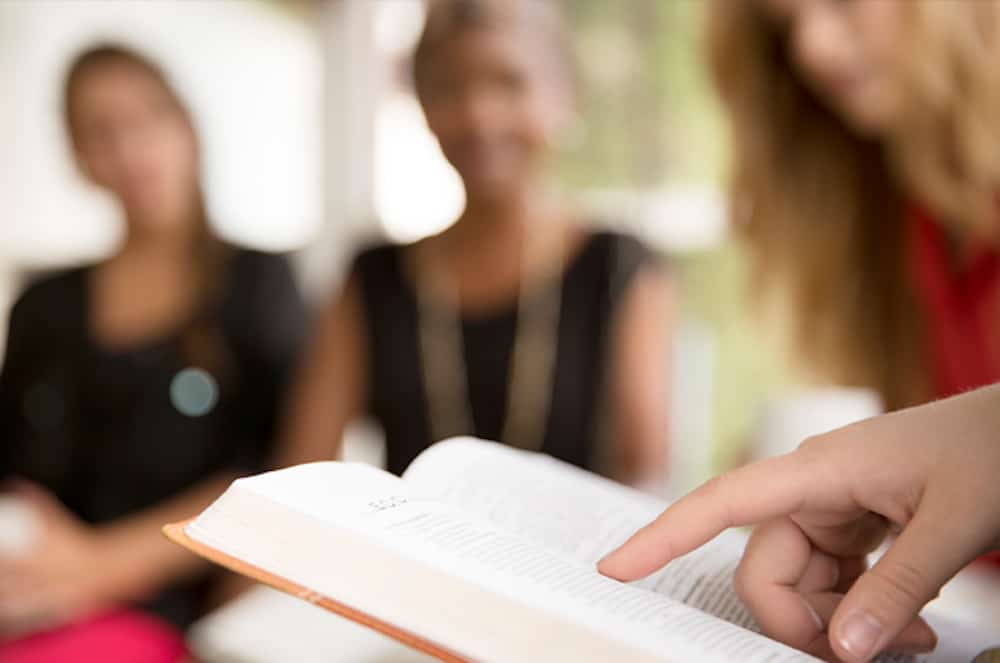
532	362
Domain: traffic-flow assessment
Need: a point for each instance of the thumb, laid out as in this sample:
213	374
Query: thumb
886	599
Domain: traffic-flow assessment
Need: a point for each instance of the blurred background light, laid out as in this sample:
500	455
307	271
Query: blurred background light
251	75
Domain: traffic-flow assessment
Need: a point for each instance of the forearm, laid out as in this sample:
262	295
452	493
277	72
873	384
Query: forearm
144	560
640	381
328	391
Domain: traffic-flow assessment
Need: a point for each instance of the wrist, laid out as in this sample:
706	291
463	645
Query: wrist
130	570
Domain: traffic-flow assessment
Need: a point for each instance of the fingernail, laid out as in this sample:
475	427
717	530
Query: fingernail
820	626
860	634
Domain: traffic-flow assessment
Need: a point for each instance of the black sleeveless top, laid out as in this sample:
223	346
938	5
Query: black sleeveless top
110	433
594	283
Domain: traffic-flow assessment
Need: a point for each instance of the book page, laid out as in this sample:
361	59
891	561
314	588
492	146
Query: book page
577	513
316	513
582	515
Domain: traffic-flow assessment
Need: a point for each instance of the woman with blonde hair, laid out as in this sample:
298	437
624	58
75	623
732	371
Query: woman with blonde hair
866	167
866	173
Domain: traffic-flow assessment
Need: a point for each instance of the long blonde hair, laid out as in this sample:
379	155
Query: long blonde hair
821	209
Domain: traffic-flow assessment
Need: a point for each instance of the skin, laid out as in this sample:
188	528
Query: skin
496	104
821	509
129	138
844	50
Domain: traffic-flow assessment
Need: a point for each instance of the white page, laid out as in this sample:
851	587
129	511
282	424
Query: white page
443	537
580	514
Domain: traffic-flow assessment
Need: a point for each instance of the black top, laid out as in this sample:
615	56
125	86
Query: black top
593	284
105	430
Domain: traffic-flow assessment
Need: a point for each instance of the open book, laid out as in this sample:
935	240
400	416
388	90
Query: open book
480	553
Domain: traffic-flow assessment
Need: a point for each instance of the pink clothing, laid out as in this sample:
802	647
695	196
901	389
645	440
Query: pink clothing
113	637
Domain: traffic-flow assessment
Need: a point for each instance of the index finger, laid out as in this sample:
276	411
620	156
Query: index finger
751	494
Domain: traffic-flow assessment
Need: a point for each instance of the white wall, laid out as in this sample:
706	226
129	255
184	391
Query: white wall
252	75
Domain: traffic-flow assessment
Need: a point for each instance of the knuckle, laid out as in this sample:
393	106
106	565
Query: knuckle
721	486
717	491
901	584
813	443
822	457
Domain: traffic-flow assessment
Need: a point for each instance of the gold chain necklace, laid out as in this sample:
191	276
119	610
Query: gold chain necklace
532	364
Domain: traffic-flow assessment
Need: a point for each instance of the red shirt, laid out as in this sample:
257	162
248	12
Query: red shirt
960	304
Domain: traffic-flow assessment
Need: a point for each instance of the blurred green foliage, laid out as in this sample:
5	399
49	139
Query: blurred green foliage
749	365
652	121
646	105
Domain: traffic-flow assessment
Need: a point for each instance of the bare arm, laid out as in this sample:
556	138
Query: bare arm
640	379
331	386
146	561
76	568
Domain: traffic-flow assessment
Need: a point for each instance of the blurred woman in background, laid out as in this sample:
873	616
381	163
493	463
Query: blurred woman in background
516	323
134	390
866	173
865	182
